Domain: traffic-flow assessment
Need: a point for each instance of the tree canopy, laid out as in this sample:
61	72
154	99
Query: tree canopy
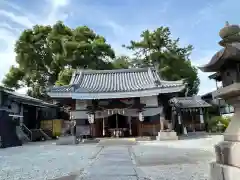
47	55
157	49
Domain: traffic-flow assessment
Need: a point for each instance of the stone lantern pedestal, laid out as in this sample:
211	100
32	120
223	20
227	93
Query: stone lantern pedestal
227	165
226	62
166	134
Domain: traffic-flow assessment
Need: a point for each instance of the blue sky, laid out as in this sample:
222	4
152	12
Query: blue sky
194	22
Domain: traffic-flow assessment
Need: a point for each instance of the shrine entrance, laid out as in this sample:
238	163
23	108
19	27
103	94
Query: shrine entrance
117	126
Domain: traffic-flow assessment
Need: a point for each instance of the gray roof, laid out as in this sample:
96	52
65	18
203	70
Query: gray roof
25	98
121	80
188	102
231	51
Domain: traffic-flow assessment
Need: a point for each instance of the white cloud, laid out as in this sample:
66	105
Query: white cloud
17	15
22	20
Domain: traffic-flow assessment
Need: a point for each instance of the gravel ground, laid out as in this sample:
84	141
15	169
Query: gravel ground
176	160
39	161
169	160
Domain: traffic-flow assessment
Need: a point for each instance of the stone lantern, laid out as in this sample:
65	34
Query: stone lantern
227	63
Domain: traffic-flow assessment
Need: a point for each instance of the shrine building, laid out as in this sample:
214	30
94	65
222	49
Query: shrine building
129	102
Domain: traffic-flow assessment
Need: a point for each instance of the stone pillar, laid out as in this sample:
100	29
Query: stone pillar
227	165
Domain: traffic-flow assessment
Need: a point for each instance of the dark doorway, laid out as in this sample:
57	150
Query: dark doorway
30	117
117	121
8	135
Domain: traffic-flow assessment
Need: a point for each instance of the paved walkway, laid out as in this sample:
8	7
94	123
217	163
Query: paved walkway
113	162
110	159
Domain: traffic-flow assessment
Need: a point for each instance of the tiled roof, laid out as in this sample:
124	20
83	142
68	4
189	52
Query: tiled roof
122	80
25	98
188	102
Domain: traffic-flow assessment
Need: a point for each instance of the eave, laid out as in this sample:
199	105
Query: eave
230	52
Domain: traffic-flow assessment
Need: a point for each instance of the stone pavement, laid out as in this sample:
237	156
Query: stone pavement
171	160
112	163
115	161
186	159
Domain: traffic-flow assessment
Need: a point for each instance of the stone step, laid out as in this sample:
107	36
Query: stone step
166	135
120	141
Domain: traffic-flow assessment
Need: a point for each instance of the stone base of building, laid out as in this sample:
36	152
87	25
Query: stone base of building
67	140
89	141
223	172
166	135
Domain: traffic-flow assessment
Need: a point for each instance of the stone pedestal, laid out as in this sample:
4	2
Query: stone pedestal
226	63
67	140
227	165
223	172
89	141
166	135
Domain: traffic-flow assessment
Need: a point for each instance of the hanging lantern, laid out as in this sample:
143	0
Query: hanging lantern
201	116
91	118
179	119
141	117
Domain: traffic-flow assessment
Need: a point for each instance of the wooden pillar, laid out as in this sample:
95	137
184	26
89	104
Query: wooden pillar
130	125
139	127
201	116
193	123
103	133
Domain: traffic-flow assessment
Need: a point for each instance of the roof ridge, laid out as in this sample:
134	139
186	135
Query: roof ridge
90	71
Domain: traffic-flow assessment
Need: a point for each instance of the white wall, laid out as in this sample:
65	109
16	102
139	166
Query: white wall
81	104
149	100
79	114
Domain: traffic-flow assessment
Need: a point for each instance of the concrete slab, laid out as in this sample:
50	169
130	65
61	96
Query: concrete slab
113	162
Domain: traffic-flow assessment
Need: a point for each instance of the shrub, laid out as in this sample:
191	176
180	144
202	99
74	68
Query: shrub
214	121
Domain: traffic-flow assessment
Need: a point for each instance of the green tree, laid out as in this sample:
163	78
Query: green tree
122	62
45	54
157	49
